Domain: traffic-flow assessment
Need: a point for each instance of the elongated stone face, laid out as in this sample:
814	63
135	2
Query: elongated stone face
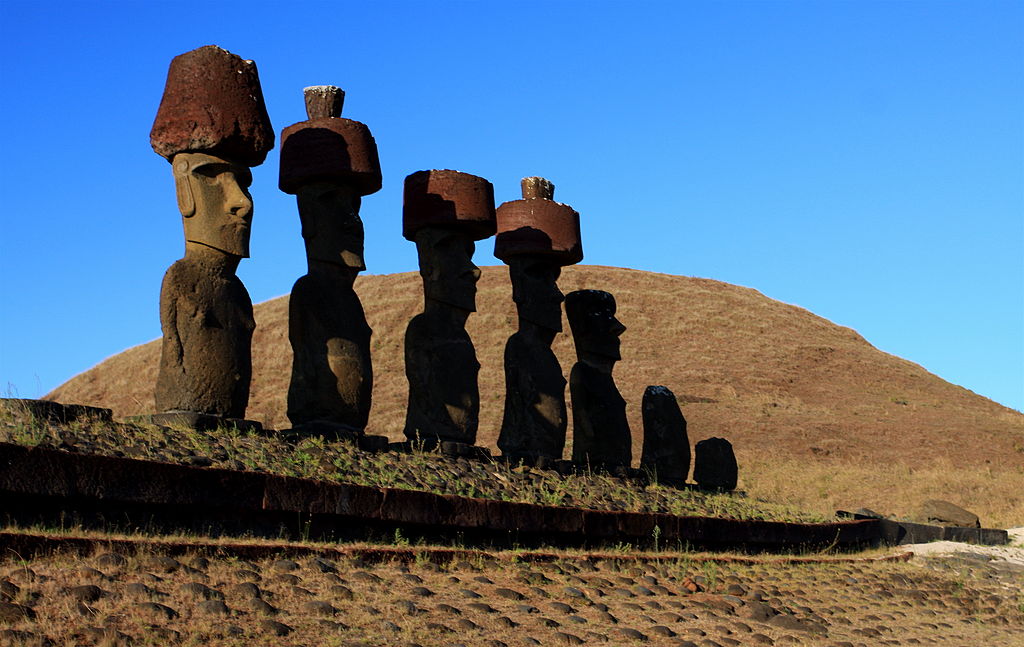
595	329
535	290
213	197
446	264
331	227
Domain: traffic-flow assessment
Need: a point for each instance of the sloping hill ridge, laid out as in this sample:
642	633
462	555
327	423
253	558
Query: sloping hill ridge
764	374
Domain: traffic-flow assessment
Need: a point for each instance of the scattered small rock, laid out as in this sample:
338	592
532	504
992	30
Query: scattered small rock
11	613
214	608
318	608
275	627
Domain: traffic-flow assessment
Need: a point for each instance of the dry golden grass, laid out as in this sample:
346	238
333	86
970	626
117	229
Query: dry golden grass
811	407
996	494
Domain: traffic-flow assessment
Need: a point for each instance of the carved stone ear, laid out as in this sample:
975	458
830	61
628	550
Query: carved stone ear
183	189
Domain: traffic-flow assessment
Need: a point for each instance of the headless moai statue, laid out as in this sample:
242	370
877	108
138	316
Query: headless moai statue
714	465
601	436
536	238
212	125
666	447
444	213
329	163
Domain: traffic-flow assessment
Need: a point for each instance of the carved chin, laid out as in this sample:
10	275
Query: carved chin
548	317
232	247
459	300
233	240
604	347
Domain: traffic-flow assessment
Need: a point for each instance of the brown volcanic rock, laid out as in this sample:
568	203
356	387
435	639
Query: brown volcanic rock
743	367
213	103
448	199
328	147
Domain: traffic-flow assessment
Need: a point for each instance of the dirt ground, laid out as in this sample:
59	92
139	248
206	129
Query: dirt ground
959	597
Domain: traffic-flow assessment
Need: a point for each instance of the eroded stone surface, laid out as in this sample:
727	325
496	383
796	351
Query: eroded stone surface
714	464
535	417
945	513
207	322
211	125
329	163
444	213
666	452
213	102
601	435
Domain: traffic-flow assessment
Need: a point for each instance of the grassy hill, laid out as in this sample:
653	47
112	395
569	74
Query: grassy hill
818	416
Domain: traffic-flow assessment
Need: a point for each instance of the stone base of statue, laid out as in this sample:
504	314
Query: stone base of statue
335	432
56	412
447	448
197	421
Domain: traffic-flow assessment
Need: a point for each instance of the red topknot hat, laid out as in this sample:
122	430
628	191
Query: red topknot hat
213	104
327	147
450	200
538	226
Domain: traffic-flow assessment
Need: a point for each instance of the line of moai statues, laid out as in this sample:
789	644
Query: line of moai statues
212	126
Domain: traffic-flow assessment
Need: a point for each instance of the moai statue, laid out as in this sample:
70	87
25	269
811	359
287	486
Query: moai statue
444	213
601	436
329	163
536	238
666	452
714	465
212	126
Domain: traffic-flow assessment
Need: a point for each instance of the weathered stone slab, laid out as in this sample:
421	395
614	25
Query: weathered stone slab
197	421
55	411
944	513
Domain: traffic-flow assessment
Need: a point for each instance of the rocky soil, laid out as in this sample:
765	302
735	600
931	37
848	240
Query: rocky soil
213	598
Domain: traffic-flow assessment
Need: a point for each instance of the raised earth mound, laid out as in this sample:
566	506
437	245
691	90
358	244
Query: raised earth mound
791	390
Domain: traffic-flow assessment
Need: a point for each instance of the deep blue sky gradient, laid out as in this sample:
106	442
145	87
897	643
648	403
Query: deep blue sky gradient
863	160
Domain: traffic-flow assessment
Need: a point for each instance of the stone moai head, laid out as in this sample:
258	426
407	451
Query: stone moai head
329	163
536	238
595	330
212	125
444	213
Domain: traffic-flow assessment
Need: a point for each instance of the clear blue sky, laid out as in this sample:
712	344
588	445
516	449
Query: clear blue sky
863	160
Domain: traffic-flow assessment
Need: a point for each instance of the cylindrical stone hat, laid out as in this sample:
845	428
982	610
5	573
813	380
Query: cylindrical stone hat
328	147
538	226
213	103
450	200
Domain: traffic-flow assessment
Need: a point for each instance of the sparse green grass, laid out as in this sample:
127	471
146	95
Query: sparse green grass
316	459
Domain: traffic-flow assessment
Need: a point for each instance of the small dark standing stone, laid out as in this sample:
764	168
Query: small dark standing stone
714	466
666	451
